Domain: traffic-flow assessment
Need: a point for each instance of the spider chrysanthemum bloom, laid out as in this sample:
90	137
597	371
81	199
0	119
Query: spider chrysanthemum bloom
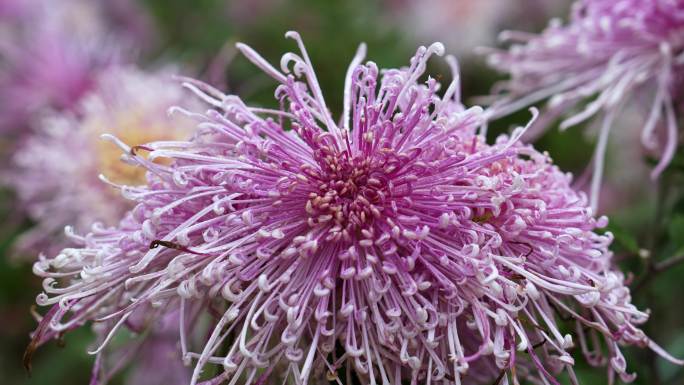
609	52
394	244
55	170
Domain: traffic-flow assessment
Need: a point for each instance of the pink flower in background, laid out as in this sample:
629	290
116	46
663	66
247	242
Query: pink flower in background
393	242
55	169
609	52
51	52
11	10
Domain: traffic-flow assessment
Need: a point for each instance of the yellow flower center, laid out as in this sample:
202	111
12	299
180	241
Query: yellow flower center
133	130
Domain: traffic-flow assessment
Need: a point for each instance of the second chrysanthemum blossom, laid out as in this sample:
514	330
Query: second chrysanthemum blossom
393	243
609	53
56	167
51	53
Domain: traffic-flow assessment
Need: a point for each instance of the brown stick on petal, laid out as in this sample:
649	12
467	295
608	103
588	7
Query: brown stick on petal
134	149
538	344
38	335
171	245
498	379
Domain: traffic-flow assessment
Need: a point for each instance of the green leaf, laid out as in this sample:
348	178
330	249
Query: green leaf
623	238
675	231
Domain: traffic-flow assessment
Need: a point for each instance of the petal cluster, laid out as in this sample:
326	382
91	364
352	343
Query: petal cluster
391	245
609	52
125	102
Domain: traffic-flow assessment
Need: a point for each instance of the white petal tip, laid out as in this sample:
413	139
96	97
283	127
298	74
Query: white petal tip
437	48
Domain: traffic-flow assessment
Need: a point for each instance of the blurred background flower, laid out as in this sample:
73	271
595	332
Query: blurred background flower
56	169
52	55
609	54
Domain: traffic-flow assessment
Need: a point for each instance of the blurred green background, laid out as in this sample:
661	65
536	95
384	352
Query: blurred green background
644	215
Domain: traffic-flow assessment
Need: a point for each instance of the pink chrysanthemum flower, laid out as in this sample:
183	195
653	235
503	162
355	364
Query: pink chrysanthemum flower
394	244
55	170
50	55
610	51
11	10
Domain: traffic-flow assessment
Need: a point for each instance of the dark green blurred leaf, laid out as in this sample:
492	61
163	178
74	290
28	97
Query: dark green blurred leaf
623	238
676	230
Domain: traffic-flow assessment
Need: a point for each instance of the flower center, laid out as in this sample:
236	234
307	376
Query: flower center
134	132
349	197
